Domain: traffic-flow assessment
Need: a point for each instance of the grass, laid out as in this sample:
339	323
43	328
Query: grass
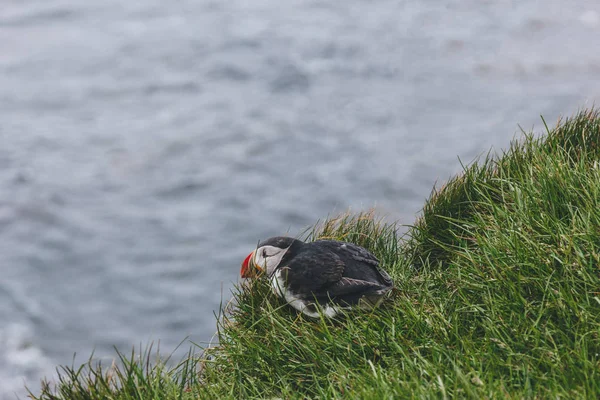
498	296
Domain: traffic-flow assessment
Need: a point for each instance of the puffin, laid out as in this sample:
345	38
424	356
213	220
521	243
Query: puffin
324	275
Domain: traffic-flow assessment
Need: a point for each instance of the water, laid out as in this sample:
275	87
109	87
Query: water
146	146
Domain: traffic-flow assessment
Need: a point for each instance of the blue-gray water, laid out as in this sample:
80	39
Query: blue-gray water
146	146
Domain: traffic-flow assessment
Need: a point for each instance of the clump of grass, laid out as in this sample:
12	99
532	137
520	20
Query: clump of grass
142	375
543	168
498	296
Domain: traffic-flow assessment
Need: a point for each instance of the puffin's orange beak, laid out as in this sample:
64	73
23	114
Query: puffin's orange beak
249	268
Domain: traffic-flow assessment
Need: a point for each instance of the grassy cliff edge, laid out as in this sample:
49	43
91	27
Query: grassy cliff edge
498	296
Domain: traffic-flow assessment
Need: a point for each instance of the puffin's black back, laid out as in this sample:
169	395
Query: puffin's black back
359	263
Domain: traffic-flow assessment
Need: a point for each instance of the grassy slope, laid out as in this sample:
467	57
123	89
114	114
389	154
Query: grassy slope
499	296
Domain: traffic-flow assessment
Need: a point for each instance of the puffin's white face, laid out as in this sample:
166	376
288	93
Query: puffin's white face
265	258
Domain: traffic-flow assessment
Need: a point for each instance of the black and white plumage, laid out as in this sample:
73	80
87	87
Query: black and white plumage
331	274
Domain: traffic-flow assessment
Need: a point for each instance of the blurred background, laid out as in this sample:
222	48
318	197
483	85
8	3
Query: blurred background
146	146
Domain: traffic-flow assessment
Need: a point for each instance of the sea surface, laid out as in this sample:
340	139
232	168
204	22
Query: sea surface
146	146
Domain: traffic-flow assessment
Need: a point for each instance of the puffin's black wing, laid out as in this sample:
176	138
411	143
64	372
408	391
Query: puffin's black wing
310	271
359	263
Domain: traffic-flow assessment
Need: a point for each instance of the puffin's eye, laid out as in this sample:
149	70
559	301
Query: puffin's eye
264	253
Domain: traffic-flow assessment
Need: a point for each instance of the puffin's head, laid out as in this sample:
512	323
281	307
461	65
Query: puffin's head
266	257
